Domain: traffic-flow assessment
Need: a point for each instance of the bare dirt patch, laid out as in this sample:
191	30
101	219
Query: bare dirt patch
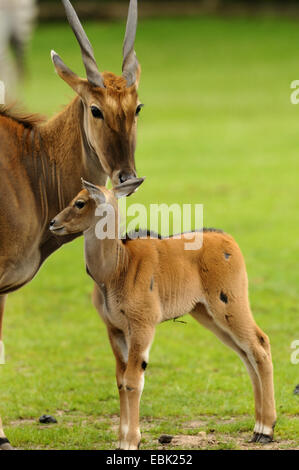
198	441
206	419
22	422
195	424
204	440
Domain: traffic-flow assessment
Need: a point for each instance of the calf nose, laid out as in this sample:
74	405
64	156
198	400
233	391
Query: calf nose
125	176
52	222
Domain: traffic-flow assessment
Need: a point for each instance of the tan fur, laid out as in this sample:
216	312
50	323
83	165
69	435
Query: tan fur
143	282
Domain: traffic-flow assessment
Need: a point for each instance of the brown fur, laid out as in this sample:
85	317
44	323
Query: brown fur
113	83
144	282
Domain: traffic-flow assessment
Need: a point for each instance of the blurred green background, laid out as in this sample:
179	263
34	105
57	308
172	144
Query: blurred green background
217	128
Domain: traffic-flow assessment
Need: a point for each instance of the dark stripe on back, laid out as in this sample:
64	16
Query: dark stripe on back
144	234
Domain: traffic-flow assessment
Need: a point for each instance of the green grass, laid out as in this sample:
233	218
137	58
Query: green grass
218	128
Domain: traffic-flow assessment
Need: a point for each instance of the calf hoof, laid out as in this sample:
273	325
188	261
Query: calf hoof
254	437
5	444
264	439
261	438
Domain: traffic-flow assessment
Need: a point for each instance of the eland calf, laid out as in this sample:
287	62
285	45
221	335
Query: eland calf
142	282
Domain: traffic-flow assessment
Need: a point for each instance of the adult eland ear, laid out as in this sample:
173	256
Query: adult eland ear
127	188
138	75
94	191
75	82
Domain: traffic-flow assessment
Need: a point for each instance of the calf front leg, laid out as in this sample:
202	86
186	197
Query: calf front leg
140	343
120	350
4	442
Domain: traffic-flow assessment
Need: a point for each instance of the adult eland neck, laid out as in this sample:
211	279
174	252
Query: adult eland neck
64	158
65	142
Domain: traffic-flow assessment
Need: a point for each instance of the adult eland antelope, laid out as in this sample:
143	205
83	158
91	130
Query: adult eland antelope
41	162
142	282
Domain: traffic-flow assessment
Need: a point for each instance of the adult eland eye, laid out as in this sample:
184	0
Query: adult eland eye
80	204
138	109
96	112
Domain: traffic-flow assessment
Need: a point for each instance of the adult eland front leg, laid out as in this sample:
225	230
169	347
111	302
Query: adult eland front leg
4	442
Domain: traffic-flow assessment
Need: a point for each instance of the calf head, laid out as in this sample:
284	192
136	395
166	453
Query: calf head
81	215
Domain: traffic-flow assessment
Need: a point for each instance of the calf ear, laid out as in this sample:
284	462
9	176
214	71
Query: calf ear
127	188
95	192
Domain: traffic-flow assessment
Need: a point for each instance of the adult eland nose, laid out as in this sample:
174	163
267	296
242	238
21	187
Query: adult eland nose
52	222
125	176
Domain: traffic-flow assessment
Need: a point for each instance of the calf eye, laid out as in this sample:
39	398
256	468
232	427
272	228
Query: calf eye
96	112
138	109
80	204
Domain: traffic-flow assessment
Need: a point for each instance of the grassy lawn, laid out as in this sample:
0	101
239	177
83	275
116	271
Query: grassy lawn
218	128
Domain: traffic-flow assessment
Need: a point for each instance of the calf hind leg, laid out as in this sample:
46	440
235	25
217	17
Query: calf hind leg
204	318
234	325
259	354
236	319
250	338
